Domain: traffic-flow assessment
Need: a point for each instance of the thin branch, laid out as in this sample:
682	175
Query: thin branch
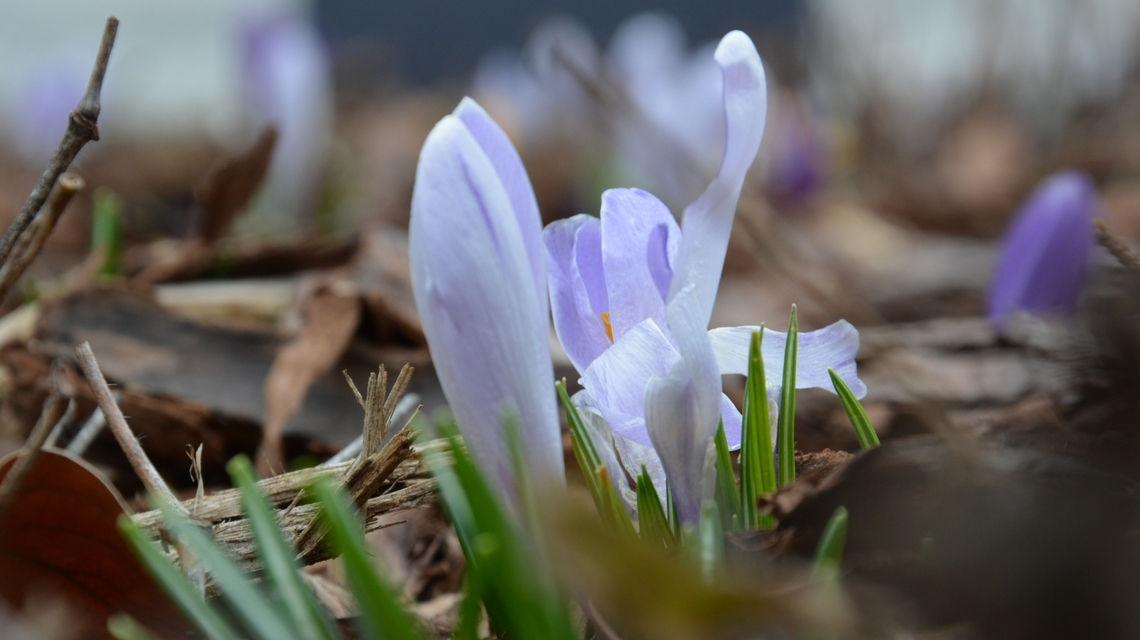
31	243
142	465
82	127
1116	246
53	409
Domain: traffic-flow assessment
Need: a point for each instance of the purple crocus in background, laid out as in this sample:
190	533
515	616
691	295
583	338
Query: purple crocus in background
1042	265
632	294
288	77
479	280
41	111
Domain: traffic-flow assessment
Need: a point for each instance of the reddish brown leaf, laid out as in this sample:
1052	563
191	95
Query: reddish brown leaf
59	537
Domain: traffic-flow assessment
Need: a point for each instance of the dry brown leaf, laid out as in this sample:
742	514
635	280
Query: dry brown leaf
59	537
232	183
331	319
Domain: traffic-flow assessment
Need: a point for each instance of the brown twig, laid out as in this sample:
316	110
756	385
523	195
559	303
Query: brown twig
53	410
1116	246
82	127
31	243
118	425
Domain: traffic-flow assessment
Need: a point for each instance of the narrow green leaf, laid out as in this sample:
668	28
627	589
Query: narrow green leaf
757	462
615	512
470	611
278	558
787	437
829	553
672	517
727	495
864	431
250	605
517	594
107	231
710	542
175	583
655	528
123	627
584	452
381	613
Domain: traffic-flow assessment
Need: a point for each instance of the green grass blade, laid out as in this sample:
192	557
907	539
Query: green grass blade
727	495
787	437
248	603
710	542
672	517
829	553
864	431
176	584
655	528
470	611
107	230
123	627
519	599
278	558
757	462
381	613
584	451
615	512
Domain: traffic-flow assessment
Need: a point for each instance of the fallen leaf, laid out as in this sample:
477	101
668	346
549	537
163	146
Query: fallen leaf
232	183
59	537
331	319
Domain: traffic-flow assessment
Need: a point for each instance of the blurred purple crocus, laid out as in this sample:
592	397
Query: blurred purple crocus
288	78
632	294
1042	265
479	280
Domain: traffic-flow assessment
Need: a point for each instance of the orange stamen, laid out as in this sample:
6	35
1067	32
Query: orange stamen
609	327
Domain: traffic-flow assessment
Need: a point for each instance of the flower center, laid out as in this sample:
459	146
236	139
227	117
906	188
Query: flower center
609	327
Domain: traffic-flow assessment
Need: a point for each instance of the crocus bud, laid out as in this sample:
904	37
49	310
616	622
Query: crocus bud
1043	260
479	280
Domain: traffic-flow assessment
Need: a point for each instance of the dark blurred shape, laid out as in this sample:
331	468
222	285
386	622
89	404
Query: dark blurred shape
436	39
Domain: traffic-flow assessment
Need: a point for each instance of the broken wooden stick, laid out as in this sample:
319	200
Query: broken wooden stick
82	127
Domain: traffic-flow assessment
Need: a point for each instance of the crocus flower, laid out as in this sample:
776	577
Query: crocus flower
288	77
632	294
1043	260
479	279
42	107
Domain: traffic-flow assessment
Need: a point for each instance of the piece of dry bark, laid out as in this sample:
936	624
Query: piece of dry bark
232	183
331	319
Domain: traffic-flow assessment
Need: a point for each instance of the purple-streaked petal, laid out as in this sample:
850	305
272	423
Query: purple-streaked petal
486	328
707	222
1046	251
629	220
512	174
634	454
602	437
617	379
588	257
578	324
833	346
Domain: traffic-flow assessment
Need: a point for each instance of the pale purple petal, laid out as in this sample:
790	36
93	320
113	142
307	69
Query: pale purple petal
674	416
732	422
682	409
578	324
617	379
707	222
833	346
629	220
486	327
602	437
588	256
512	174
1045	256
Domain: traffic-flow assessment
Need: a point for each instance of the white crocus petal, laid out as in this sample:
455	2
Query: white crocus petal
602	438
834	346
674	417
634	455
473	282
